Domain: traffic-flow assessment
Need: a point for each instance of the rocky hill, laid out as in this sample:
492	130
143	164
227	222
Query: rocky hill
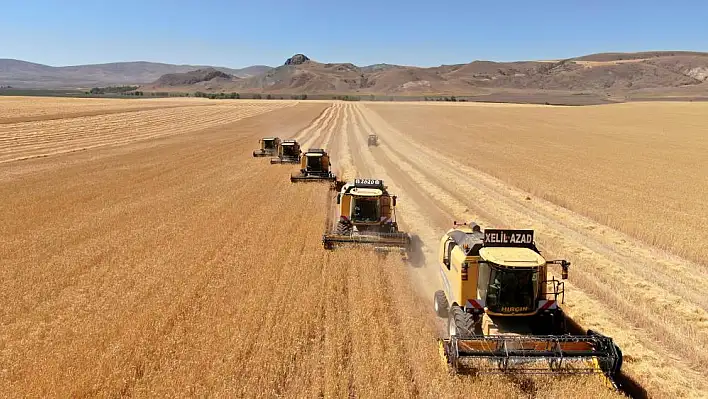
25	74
193	77
598	74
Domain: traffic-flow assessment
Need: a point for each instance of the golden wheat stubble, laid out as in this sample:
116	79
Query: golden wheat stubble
110	257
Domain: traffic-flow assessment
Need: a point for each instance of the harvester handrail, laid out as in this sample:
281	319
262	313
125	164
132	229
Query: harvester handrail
558	289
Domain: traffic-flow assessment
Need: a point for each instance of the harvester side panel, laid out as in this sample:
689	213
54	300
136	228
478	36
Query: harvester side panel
386	210
346	206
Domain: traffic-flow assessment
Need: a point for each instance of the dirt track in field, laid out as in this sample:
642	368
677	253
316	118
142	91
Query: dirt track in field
171	262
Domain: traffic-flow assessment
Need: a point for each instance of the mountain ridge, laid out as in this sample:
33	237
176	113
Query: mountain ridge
601	74
26	74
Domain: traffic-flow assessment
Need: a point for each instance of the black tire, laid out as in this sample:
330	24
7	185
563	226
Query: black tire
618	366
552	323
343	228
460	323
559	325
440	303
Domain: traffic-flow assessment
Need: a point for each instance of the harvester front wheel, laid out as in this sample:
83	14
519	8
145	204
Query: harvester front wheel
460	323
552	323
441	305
343	228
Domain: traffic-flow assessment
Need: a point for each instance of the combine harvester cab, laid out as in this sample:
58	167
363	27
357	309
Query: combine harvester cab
366	215
314	166
373	140
269	147
503	313
289	152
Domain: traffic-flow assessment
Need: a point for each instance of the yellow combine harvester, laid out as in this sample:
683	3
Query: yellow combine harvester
315	166
502	309
289	152
367	215
269	147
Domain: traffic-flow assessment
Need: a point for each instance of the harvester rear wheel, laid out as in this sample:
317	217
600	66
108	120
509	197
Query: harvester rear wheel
460	323
441	305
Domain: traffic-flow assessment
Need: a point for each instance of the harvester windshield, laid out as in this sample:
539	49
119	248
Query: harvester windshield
290	150
366	210
314	163
512	290
269	143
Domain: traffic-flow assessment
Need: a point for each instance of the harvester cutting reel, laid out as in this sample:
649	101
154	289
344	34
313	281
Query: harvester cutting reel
592	353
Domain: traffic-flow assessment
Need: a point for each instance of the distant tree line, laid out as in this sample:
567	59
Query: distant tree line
348	98
112	89
218	96
254	96
450	98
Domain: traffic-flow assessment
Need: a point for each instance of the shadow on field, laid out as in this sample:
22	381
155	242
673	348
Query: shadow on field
626	384
416	257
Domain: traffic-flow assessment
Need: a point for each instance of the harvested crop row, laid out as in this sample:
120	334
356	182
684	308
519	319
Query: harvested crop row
26	109
42	138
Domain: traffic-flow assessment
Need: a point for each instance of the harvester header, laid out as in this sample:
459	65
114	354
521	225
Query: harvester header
593	353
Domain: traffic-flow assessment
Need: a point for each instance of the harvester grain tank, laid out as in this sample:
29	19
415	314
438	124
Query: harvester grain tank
502	309
289	152
366	215
314	166
269	147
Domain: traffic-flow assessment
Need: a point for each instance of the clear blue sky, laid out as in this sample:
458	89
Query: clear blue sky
426	33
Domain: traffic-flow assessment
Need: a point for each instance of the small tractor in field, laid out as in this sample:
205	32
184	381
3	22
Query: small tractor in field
314	166
289	152
366	214
269	147
502	309
373	140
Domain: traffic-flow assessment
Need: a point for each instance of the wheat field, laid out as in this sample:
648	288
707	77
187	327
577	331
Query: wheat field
144	252
26	109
